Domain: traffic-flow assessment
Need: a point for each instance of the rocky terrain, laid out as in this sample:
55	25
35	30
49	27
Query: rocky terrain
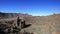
40	24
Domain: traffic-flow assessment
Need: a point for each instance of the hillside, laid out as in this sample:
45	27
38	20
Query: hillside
46	24
40	24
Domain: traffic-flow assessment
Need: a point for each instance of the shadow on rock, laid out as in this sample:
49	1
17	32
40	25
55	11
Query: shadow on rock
27	25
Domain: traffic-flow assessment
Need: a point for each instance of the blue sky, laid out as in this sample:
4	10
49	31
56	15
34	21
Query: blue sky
32	7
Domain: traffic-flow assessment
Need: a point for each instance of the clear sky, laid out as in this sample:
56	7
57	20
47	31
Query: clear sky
32	7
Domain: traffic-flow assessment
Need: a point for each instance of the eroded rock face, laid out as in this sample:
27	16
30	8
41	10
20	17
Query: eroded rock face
9	27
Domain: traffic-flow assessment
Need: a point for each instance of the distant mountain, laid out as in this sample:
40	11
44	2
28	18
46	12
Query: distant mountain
12	15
